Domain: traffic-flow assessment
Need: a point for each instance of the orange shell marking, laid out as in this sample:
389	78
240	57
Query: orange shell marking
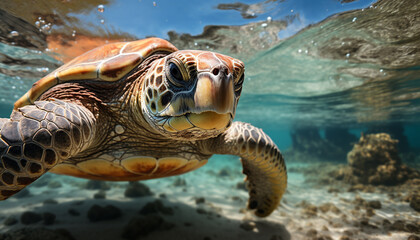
109	63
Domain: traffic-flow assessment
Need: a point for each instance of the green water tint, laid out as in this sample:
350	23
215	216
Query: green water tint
20	68
357	71
353	68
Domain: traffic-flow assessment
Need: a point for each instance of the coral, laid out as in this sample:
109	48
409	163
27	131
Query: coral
396	131
375	160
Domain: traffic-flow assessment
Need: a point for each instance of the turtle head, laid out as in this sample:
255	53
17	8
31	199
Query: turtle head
192	94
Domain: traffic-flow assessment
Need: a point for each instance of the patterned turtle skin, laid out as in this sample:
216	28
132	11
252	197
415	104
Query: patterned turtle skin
133	111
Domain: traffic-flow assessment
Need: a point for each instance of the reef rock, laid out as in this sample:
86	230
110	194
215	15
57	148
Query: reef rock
136	189
415	201
396	131
374	160
37	234
139	227
155	207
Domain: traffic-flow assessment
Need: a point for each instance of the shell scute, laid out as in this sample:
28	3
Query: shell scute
110	62
98	54
146	46
86	71
119	66
37	89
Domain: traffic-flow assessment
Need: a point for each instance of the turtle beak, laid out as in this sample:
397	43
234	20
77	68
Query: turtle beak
214	92
209	105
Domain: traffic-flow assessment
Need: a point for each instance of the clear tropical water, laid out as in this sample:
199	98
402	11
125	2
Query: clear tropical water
317	65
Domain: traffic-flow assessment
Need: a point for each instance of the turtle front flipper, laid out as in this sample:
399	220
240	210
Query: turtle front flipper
262	163
37	137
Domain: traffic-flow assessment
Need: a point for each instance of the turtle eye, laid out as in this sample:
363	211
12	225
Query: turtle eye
177	73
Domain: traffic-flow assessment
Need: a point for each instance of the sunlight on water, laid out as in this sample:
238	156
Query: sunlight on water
321	78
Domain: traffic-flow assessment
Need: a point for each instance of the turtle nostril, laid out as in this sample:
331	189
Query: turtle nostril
226	72
215	71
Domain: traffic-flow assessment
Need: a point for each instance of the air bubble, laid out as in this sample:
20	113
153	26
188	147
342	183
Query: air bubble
154	4
354	19
264	25
73	34
46	27
300	51
43	26
102	21
347	55
14	33
269	19
43	69
101	8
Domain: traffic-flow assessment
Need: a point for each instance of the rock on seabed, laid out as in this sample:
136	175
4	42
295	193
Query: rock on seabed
375	160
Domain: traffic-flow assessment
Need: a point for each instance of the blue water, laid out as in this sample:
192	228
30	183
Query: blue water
323	65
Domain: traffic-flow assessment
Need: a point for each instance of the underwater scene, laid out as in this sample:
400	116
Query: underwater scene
324	144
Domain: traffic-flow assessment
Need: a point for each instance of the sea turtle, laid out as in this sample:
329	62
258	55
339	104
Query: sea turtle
137	110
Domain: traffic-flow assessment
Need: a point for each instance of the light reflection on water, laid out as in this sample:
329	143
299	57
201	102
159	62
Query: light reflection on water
313	69
354	68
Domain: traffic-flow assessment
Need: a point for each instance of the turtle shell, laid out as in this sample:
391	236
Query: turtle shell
107	63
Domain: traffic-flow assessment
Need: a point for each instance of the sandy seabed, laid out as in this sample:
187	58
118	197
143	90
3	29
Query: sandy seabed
209	204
